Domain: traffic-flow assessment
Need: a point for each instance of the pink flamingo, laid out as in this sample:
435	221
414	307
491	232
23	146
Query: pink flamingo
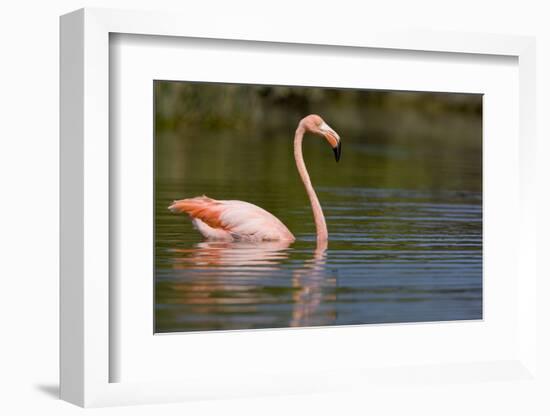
243	221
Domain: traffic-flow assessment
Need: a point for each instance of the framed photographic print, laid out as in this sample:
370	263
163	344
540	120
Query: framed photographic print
275	213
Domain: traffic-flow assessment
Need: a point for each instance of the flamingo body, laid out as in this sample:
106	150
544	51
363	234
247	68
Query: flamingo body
232	220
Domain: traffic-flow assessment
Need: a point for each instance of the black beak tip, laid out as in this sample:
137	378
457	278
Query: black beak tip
337	151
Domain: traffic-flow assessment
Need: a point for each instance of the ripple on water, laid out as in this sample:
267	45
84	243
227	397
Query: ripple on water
394	256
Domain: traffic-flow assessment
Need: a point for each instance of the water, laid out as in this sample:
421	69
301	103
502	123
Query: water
403	209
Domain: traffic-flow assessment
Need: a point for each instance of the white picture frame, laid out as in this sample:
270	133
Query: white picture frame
86	355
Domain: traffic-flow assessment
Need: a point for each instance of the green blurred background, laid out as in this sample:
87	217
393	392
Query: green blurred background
433	129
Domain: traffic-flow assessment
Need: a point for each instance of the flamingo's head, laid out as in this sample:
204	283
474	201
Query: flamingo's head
315	124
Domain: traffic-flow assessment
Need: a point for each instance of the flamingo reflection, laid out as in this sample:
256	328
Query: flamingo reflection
315	289
232	255
223	277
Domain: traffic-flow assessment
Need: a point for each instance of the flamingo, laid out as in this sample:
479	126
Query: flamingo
242	221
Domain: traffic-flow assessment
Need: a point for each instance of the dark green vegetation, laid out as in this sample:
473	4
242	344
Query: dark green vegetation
403	207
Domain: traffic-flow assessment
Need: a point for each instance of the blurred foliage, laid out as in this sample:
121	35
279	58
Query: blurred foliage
217	106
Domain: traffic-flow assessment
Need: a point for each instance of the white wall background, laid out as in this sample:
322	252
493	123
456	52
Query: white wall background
29	101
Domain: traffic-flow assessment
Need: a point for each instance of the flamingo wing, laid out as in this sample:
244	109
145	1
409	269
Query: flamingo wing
232	220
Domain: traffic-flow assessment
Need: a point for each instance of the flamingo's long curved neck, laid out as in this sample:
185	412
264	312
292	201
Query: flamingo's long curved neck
320	223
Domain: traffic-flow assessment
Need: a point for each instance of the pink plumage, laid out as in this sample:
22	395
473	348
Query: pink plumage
232	220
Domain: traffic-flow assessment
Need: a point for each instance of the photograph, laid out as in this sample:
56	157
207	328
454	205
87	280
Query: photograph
282	206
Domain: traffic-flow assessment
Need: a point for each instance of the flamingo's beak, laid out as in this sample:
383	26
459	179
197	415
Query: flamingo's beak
333	139
337	150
